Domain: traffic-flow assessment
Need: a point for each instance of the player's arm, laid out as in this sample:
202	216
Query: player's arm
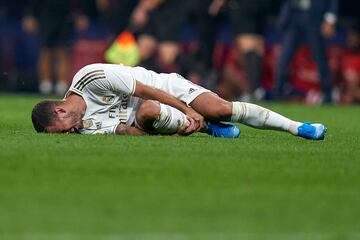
146	92
184	130
123	129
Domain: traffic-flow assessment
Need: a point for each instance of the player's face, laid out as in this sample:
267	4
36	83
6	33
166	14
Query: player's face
69	122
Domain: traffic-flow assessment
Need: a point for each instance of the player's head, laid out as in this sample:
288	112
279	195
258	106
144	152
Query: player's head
53	116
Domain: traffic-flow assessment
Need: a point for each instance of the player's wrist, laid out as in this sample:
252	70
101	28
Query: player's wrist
188	111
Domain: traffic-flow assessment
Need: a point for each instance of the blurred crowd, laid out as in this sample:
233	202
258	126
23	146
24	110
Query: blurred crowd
250	50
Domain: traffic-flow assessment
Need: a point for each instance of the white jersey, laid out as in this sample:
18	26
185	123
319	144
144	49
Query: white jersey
108	89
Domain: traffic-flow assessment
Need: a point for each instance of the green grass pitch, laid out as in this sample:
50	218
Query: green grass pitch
264	185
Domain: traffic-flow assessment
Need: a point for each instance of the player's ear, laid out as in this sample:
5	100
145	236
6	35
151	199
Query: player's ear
59	110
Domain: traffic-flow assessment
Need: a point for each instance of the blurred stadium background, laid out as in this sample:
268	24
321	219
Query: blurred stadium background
231	47
263	185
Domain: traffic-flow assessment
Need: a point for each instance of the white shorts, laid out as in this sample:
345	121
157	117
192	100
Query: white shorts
179	87
175	85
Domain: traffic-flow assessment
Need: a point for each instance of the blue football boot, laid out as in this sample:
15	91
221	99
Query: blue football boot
314	131
219	129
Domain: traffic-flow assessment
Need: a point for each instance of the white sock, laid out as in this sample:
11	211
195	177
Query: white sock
61	88
45	87
259	117
169	120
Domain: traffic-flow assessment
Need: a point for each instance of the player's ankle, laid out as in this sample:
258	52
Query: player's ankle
293	129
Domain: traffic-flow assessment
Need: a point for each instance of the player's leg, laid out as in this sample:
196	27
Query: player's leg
44	69
155	117
62	70
45	59
291	42
213	107
318	50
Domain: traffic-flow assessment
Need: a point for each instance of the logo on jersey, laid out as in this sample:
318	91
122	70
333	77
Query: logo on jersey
123	113
108	99
87	123
120	110
98	125
191	90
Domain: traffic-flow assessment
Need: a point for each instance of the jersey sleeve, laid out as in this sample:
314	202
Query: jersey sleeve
104	78
120	80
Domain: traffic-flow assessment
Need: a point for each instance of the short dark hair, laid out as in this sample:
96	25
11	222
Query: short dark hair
43	114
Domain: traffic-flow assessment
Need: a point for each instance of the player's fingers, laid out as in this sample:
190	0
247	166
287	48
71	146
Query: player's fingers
196	124
182	129
200	123
191	128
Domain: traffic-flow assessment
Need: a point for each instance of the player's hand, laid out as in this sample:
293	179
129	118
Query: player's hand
188	128
199	119
123	129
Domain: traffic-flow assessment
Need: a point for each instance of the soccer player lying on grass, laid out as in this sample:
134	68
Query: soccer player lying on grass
116	99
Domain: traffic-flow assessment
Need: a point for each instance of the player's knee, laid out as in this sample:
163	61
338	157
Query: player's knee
221	111
148	111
